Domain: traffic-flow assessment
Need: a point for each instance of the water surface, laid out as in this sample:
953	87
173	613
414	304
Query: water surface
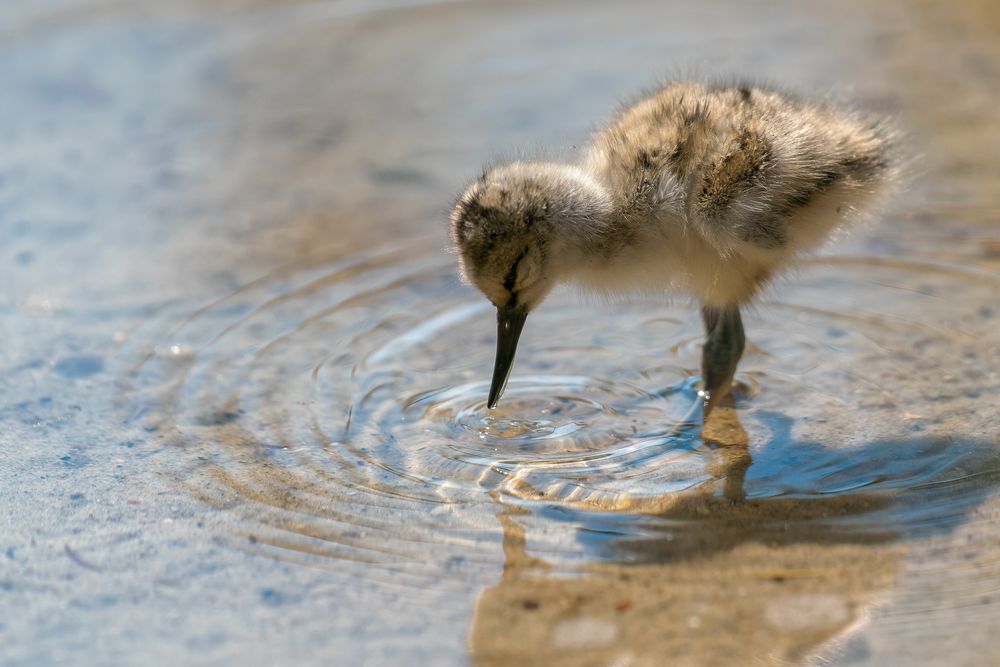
245	390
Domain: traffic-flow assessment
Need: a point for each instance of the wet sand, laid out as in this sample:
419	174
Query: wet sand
240	381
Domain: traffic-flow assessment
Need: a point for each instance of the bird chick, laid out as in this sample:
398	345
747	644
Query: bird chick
699	188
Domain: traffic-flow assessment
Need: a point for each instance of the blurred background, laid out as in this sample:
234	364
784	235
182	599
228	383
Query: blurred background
242	384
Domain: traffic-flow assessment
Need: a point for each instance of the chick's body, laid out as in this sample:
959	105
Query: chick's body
707	189
726	185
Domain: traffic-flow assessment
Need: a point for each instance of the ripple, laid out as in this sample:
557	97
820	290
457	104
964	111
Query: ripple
338	408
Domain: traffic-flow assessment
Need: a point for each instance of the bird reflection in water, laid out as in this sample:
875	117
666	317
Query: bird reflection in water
709	578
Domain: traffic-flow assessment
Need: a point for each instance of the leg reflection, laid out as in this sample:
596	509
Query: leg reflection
724	433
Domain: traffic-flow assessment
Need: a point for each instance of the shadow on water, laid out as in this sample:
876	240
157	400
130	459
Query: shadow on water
775	559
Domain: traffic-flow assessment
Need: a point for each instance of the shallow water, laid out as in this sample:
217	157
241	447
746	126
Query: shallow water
245	391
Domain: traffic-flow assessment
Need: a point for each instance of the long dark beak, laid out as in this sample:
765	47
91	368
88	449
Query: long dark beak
510	321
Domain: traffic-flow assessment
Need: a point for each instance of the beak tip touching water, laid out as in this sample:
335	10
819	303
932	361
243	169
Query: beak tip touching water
496	390
510	321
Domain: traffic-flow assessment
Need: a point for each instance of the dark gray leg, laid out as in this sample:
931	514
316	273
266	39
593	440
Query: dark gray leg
721	353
